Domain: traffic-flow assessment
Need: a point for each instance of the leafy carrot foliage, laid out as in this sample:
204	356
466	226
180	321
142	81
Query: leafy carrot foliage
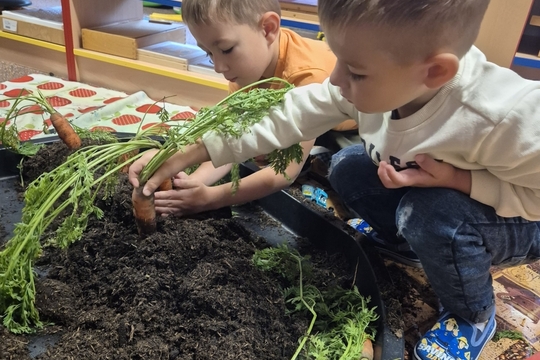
92	171
341	320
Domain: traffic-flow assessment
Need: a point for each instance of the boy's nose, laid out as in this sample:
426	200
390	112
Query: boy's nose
220	66
337	76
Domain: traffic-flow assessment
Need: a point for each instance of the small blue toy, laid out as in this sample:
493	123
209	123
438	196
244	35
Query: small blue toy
315	194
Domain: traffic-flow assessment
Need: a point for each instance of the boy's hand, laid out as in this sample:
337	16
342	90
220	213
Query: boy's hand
431	173
136	168
188	197
190	155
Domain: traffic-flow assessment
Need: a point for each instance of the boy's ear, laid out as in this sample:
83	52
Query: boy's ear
270	23
441	69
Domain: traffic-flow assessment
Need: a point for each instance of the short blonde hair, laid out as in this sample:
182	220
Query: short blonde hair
419	27
240	12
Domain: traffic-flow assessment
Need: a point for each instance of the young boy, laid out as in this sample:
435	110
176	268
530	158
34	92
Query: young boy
450	160
246	43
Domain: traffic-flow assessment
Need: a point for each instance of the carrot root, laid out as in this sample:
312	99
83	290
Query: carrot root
165	185
367	351
125	158
144	212
65	131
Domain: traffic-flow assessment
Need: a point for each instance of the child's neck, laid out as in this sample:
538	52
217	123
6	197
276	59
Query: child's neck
415	105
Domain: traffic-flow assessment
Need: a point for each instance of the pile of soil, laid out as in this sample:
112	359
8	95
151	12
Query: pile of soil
3	232
189	291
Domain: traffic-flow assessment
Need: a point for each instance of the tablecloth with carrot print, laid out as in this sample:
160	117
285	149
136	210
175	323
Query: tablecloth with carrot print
84	105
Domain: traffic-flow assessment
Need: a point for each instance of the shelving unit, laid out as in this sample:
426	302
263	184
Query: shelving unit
499	38
131	75
299	14
528	52
24	51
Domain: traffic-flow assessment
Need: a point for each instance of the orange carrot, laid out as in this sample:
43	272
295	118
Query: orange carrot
165	185
367	351
65	131
144	211
126	157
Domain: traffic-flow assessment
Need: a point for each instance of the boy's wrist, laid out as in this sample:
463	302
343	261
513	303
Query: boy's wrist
462	181
218	196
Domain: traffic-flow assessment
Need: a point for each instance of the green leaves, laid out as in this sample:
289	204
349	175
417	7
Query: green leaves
508	334
341	320
280	159
69	191
233	116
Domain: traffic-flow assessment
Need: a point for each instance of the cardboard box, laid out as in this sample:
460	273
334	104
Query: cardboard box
126	37
41	24
171	54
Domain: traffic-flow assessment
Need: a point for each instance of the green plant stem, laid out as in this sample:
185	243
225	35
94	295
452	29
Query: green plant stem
24	247
200	127
310	308
77	179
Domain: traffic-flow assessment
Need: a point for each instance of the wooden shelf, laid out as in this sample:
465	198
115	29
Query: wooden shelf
31	41
299	14
188	76
306	6
527	60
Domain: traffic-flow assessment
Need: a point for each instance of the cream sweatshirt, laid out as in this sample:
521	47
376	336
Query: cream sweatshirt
486	119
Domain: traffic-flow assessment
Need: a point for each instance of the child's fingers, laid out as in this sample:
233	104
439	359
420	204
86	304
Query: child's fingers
383	176
137	166
387	175
181	175
165	211
167	195
427	163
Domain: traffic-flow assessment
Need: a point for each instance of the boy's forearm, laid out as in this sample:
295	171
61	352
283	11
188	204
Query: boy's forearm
462	181
261	183
208	174
304	114
252	187
191	155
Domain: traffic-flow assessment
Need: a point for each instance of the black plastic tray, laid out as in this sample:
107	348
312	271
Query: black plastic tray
292	218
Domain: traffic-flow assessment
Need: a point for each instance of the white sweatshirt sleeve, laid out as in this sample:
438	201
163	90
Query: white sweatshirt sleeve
305	113
511	155
509	200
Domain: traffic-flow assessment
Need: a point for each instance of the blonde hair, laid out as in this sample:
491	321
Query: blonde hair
240	12
418	27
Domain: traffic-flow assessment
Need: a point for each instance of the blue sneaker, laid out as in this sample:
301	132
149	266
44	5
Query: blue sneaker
400	252
454	338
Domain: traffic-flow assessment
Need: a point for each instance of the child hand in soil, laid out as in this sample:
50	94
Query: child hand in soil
192	154
189	196
409	75
246	48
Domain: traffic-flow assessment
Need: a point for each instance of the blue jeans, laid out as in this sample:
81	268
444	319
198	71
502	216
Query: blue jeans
456	238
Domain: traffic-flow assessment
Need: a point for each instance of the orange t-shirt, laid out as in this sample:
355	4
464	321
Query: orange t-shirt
304	61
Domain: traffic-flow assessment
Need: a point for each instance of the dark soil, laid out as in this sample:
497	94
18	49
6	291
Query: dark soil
3	232
189	291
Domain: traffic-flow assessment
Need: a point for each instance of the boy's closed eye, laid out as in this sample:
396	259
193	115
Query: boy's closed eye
225	52
228	51
356	77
